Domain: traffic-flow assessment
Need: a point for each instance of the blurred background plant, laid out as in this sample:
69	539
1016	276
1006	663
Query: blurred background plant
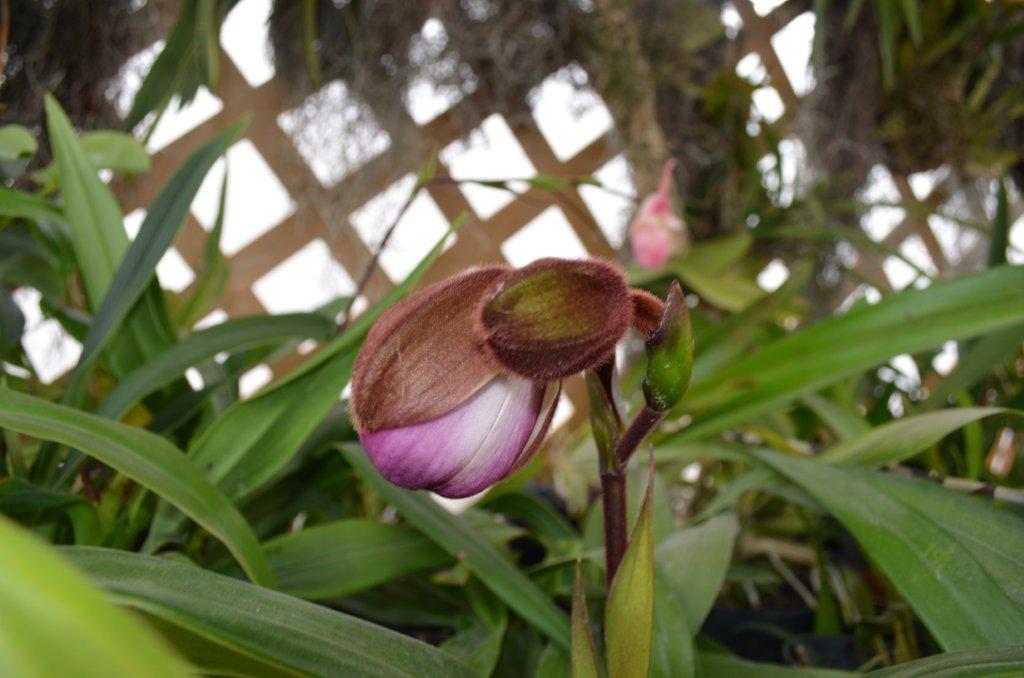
850	176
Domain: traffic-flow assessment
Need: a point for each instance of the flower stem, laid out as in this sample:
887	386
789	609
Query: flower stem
616	539
646	421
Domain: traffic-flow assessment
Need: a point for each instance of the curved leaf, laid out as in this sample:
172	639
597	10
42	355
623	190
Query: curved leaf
804	362
146	458
955	559
348	556
990	661
903	438
277	633
53	623
232	335
453	534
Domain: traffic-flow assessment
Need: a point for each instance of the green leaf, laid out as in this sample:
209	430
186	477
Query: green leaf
105	149
230	336
17	147
716	665
214	273
691	563
339	559
19	496
453	534
728	291
955	559
146	458
903	438
977	360
843	420
95	217
168	70
839	347
629	609
12	321
912	15
278	634
158	230
584	655
53	623
27	206
989	661
208	42
256	437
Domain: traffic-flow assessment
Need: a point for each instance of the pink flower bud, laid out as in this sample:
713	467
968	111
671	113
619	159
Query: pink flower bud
655	229
455	386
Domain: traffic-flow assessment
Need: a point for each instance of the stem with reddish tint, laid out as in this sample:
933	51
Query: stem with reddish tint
646	421
616	533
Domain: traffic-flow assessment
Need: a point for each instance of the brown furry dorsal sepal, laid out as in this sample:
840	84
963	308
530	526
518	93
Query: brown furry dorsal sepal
647	310
423	356
556	317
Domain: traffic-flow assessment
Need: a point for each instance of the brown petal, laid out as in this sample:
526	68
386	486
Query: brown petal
423	357
557	317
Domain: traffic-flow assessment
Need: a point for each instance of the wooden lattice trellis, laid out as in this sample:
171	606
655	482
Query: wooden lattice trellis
481	238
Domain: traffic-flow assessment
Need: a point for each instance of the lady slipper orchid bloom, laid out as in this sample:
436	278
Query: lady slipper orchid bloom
655	230
455	386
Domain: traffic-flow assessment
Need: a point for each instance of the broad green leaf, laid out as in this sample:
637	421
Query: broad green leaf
146	458
691	565
230	336
955	559
671	646
27	206
138	267
629	609
842	346
348	556
54	623
990	661
716	665
453	534
479	646
279	634
903	438
584	656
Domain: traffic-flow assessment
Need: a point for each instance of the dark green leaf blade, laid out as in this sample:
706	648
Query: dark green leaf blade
286	634
146	458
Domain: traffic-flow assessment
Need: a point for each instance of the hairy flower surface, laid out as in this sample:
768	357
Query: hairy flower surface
655	232
455	386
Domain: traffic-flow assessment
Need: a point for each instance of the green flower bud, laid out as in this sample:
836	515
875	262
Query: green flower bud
669	354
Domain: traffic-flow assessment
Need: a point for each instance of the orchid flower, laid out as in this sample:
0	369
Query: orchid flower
455	387
655	230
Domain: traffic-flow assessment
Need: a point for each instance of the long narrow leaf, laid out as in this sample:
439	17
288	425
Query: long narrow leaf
146	458
955	559
277	634
453	534
234	335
